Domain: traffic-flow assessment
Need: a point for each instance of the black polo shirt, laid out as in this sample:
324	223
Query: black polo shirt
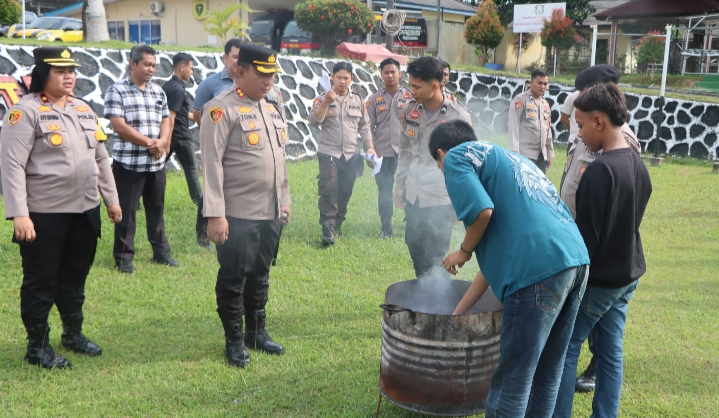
177	102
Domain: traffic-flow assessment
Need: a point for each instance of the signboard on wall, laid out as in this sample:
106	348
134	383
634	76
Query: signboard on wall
199	9
529	18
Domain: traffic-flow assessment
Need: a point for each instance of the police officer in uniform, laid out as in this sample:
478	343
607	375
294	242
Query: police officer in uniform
578	155
247	198
383	109
420	188
54	162
530	123
342	116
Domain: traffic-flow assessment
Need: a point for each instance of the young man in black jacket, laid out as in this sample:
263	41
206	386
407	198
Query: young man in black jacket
611	199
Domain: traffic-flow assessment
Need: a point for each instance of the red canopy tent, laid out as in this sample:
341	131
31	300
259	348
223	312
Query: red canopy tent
374	53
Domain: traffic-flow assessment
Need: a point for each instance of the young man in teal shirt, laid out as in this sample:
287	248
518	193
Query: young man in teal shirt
530	253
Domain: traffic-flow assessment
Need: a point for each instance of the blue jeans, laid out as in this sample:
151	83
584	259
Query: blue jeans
603	312
537	322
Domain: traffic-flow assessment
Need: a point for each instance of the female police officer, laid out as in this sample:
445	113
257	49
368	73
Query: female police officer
53	163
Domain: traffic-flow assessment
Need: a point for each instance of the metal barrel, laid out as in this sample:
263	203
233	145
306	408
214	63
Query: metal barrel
439	364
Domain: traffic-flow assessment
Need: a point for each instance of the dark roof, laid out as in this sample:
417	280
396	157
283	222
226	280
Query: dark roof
668	8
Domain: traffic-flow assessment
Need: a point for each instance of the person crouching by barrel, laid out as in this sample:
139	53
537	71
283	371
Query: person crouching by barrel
530	252
53	164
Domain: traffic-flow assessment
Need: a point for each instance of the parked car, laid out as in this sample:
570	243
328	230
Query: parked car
29	18
63	29
295	41
71	32
267	29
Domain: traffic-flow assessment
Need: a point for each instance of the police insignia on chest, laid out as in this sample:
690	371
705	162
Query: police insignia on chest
271	108
378	99
253	138
53	127
244	109
82	108
56	139
284	136
414	114
407	95
252	125
240	93
44	108
382	108
411	133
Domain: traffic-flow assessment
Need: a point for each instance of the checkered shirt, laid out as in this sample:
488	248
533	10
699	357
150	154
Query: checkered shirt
143	111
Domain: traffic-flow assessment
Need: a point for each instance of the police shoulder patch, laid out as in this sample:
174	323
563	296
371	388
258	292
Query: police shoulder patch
13	117
517	105
216	114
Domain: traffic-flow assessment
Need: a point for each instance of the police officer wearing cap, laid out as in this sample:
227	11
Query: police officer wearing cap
247	198
54	162
578	155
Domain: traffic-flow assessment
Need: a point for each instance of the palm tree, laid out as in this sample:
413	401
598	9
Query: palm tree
220	22
94	21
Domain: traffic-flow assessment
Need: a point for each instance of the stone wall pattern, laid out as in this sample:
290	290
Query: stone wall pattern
688	128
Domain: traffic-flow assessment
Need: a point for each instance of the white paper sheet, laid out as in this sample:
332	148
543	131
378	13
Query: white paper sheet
325	81
376	160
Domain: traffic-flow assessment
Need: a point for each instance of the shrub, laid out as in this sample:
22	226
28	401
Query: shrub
651	49
558	33
483	30
10	12
333	21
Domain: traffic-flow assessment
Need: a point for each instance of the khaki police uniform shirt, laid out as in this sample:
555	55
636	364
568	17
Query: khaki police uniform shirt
384	110
243	157
417	172
52	159
342	122
578	158
530	126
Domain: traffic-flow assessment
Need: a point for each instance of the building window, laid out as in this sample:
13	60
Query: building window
116	30
145	31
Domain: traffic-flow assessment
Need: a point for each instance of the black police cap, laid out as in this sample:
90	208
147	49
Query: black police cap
263	59
601	73
54	56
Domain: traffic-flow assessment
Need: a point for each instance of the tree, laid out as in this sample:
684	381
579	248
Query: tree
333	21
577	10
10	12
483	30
220	22
651	49
94	21
558	33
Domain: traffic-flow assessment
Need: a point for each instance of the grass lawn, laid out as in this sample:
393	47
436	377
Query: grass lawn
163	341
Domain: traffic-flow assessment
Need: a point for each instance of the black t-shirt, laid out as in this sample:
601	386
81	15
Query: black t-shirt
611	199
177	102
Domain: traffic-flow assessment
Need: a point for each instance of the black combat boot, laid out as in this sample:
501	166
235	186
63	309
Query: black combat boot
256	337
587	380
72	337
337	229
235	349
386	229
39	351
328	237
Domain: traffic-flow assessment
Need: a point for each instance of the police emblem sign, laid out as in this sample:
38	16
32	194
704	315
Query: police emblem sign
199	9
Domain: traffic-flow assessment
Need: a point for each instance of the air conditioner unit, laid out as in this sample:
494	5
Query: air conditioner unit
156	7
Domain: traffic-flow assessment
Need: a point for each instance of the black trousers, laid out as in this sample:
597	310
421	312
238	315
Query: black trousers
55	265
541	163
243	280
385	187
186	156
427	236
336	181
131	186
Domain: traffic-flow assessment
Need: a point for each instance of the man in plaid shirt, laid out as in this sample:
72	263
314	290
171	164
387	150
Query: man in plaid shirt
139	115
